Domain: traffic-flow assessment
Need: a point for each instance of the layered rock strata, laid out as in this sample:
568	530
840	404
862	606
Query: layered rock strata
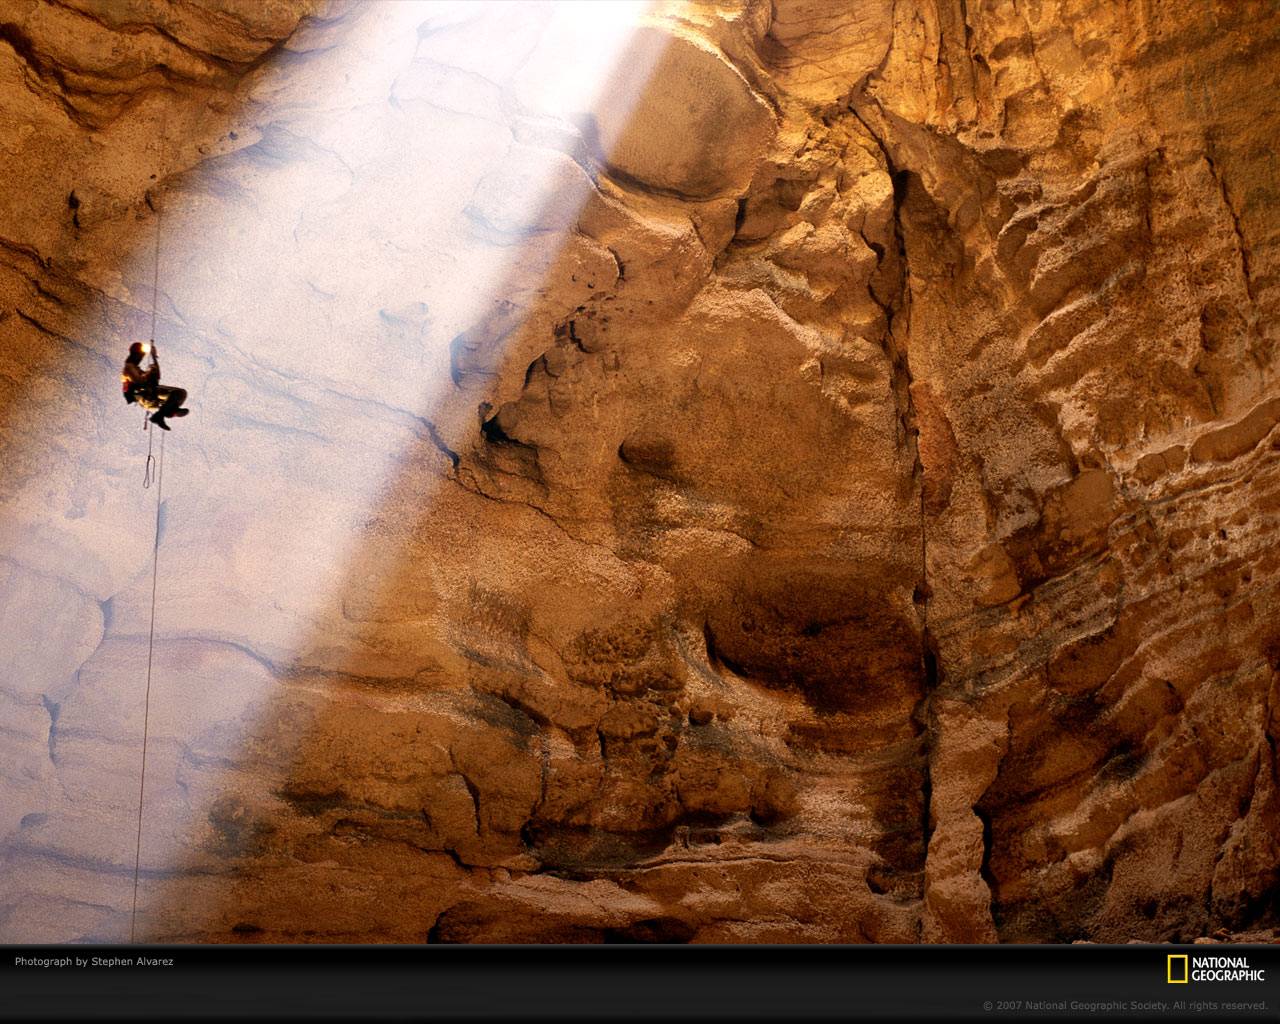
814	480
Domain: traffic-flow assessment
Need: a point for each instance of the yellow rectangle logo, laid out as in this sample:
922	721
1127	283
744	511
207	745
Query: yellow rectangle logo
1178	974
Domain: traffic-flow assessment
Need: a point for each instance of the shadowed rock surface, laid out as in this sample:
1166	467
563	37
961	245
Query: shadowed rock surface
821	489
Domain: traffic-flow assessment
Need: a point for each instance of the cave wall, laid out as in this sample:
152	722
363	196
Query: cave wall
818	489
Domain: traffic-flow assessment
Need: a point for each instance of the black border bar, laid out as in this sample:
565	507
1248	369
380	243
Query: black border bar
635	982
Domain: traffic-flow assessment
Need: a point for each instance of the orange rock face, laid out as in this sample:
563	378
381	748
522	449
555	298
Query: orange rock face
737	472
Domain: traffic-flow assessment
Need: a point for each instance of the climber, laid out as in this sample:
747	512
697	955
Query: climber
144	387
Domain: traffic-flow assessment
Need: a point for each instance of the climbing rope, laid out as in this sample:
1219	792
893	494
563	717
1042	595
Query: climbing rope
146	706
155	274
148	472
153	471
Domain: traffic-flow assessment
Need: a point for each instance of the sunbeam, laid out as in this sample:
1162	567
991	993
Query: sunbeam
378	187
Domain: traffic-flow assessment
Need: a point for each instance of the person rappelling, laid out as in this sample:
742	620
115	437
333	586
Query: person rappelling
144	387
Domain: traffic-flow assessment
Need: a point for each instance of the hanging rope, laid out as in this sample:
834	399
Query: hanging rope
146	705
151	471
155	275
148	472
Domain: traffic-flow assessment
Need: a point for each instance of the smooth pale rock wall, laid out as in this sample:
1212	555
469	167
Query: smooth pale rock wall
818	488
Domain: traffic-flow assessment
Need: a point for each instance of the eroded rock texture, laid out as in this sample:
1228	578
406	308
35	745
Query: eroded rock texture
820	487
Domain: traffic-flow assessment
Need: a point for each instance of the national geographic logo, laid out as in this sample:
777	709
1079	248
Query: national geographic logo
1183	968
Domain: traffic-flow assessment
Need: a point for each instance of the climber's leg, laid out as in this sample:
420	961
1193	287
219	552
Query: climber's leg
171	401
